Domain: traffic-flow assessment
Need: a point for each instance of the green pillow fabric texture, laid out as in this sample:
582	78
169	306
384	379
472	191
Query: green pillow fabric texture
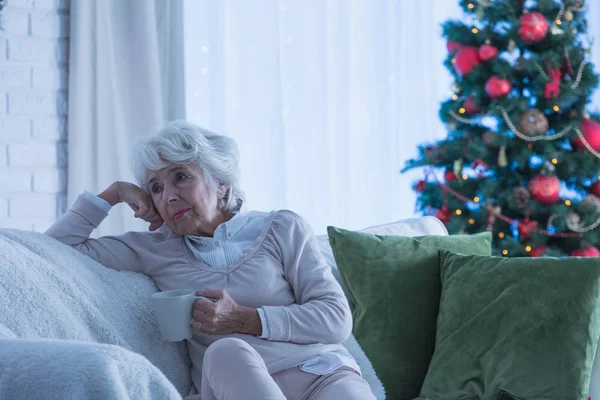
394	290
527	326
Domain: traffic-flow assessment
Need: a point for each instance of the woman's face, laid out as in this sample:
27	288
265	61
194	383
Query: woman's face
184	200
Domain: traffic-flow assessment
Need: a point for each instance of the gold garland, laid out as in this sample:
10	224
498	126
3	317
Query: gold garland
573	227
575	84
586	144
521	135
524	137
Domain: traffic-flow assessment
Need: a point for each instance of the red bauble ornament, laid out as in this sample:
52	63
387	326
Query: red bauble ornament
588	251
465	60
443	214
487	52
595	189
545	188
526	228
533	27
449	175
591	132
497	87
452	46
538	251
471	106
420	186
480	163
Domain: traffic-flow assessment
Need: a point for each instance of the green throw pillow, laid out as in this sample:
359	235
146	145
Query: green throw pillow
526	326
394	288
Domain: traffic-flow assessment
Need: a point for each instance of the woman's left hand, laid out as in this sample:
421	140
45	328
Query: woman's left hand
223	315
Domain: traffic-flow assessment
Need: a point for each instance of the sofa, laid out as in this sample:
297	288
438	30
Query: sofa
71	328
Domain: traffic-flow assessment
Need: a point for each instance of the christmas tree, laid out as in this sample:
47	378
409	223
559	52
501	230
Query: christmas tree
522	155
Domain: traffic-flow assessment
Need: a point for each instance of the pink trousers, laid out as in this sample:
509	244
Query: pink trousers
233	370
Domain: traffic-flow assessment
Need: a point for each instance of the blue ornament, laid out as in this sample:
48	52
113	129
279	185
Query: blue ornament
535	161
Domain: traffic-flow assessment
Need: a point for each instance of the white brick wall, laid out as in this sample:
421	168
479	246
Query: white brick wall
33	110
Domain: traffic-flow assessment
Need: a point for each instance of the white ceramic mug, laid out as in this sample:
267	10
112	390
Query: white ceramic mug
173	311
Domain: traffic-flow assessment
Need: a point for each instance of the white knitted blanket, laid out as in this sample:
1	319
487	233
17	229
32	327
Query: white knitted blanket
50	291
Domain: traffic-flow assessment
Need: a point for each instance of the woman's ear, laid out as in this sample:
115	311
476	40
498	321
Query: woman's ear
222	193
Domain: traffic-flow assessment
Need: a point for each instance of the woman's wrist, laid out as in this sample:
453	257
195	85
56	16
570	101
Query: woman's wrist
111	194
250	321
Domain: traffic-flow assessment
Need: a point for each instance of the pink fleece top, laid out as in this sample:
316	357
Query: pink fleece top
283	272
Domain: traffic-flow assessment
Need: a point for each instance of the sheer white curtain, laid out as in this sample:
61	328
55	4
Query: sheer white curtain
326	99
125	80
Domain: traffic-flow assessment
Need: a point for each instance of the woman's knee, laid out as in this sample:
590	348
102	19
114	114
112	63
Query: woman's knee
228	350
344	384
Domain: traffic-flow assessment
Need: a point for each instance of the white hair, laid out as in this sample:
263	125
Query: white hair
181	142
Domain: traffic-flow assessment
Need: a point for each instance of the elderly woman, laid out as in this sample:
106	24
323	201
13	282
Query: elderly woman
277	318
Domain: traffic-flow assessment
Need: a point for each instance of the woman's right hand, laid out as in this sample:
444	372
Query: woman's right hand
140	202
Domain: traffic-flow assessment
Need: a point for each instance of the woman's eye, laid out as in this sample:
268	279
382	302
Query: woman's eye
155	188
180	177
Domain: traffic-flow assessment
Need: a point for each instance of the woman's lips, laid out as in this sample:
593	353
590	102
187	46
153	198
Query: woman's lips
181	213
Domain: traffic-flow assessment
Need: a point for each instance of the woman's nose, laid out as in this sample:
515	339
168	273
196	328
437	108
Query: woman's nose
170	195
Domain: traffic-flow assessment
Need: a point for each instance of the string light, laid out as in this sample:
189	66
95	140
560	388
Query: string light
558	22
556	108
568	202
505	252
501	235
471	221
530	146
465	177
458	212
471	6
454	61
475	31
455	97
462	110
476	199
554	161
528	249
